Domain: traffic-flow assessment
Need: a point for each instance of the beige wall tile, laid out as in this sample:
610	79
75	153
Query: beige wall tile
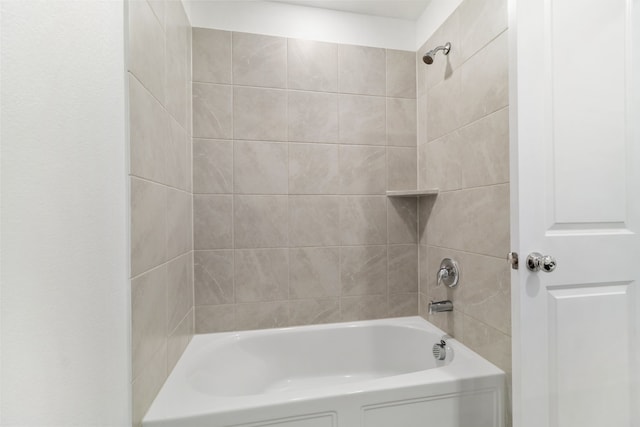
261	275
489	343
315	273
212	222
313	117
148	317
364	307
363	270
401	168
314	311
444	107
261	221
401	122
480	22
402	214
443	164
149	132
362	170
212	111
148	225
274	314
158	7
177	65
146	47
312	65
212	166
211	56
260	167
362	120
401	305
314	220
403	269
259	60
401	74
259	114
179	216
213	277
313	169
361	70
147	385
178	158
215	318
485	81
484	150
179	339
363	220
179	290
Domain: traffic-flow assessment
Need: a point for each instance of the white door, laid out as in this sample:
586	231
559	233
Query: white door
575	124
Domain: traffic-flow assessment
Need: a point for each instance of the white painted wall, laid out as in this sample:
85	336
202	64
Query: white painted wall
434	15
286	20
65	303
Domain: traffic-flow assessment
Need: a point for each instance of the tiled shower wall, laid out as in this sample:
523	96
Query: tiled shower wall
161	198
463	149
295	143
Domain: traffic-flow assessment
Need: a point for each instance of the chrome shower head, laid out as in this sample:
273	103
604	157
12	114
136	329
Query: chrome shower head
428	57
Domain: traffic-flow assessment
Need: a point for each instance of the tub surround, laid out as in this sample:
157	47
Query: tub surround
327	376
463	150
159	75
295	144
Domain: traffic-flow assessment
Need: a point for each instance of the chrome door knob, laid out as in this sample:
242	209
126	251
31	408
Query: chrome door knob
536	261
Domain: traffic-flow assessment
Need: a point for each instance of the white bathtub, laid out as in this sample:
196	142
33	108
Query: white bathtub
378	373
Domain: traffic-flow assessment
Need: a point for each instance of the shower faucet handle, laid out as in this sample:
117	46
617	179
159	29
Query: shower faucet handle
448	273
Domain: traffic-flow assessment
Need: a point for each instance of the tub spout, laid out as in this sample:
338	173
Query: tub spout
440	306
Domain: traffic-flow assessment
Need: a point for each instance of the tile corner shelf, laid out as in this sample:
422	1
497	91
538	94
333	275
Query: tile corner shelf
413	193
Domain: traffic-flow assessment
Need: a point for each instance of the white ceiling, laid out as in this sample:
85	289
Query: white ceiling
402	9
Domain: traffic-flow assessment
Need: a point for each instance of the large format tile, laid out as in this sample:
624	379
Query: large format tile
259	60
314	273
213	277
211	56
313	169
363	220
148	225
259	114
401	305
260	167
314	220
485	150
403	268
480	22
401	74
262	315
362	170
312	65
363	270
146	386
148	317
485	81
179	290
313	117
442	162
177	64
401	168
261	275
364	307
212	222
149	132
179	216
178	158
443	66
212	166
401	122
215	318
444	107
361	70
212	111
314	311
178	340
488	342
402	217
362	120
261	221
146	47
